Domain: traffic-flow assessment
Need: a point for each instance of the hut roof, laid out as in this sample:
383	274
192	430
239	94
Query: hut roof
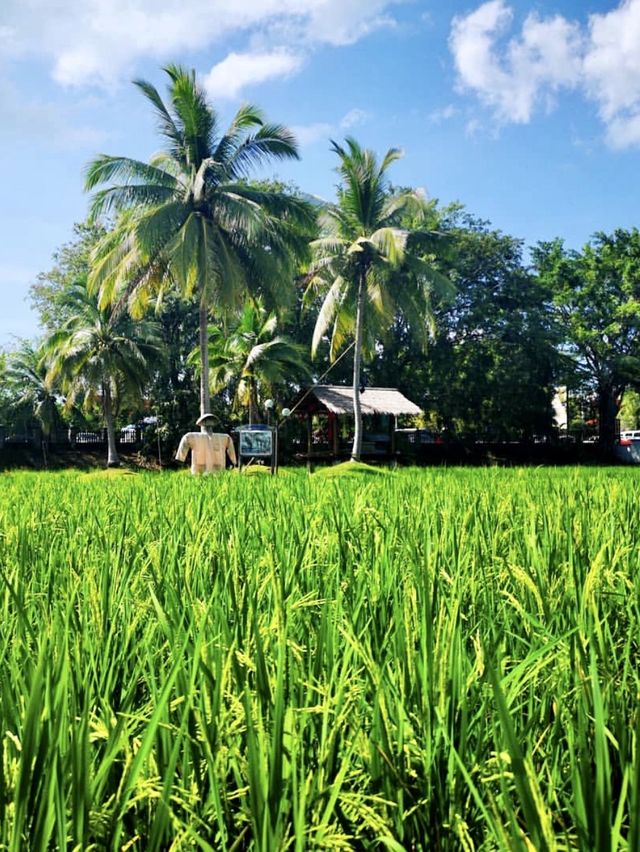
339	400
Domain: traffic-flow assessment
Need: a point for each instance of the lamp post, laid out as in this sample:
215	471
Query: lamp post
286	412
268	405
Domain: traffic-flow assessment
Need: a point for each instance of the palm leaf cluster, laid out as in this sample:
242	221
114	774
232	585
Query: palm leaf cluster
101	356
378	238
369	265
27	375
253	357
190	218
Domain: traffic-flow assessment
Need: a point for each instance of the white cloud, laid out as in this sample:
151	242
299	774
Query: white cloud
98	42
237	70
515	76
612	71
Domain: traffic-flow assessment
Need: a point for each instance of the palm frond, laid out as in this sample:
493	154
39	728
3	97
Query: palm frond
195	118
328	313
166	125
247	116
270	142
128	197
391	243
106	168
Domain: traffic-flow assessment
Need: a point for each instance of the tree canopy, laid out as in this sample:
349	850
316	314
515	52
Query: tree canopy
595	297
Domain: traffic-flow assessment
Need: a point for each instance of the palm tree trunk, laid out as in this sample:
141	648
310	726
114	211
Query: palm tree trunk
253	402
356	451
113	459
205	399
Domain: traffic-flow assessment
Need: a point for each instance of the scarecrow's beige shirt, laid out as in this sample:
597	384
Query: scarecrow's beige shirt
208	452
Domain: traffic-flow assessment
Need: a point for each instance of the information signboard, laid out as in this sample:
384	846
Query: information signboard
256	442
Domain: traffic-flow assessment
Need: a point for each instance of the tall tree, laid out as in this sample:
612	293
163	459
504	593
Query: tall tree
492	363
71	265
27	377
102	355
367	265
190	216
253	357
596	297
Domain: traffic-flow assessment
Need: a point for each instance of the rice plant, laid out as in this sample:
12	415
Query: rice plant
431	659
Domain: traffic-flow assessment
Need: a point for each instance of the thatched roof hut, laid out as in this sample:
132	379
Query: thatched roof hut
331	403
338	399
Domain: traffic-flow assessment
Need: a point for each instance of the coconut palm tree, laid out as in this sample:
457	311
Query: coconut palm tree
190	217
367	267
101	355
27	377
253	357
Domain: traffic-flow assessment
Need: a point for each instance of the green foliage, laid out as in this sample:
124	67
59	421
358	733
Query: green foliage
26	376
630	410
173	387
419	660
371	236
350	469
253	358
491	368
71	267
596	296
101	356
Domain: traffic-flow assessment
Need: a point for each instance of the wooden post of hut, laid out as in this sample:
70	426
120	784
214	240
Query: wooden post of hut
393	422
309	440
334	427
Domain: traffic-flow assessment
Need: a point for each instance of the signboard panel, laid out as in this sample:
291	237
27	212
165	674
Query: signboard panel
257	443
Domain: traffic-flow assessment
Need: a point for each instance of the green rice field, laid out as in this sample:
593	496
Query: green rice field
420	660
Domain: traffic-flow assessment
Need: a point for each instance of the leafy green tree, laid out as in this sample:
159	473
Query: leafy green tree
101	355
596	298
367	267
71	265
190	217
253	358
491	364
630	410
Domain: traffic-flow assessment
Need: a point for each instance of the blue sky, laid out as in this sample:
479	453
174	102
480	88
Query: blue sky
527	112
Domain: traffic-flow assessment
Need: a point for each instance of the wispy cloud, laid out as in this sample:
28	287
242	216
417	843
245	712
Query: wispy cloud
309	134
446	113
354	118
